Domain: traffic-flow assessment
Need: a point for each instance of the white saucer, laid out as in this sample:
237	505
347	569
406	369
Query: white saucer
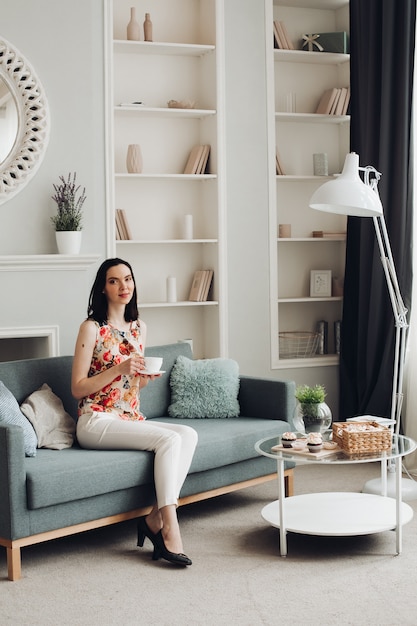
146	373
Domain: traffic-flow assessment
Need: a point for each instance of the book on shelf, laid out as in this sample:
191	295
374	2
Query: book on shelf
278	163
193	160
281	36
200	285
278	43
196	286
326	101
197	160
323	332
202	164
324	234
340	107
286	34
334	101
126	224
347	102
123	231
208	278
122	225
118	233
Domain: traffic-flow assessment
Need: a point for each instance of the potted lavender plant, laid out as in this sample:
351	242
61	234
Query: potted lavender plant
68	221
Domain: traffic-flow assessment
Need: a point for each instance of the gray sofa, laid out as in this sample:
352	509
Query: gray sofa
59	493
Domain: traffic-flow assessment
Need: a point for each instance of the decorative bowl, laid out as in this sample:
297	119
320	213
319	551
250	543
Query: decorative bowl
181	104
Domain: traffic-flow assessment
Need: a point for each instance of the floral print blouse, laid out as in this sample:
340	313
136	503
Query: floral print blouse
122	395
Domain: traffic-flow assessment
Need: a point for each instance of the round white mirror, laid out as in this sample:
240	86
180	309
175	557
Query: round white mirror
24	121
8	121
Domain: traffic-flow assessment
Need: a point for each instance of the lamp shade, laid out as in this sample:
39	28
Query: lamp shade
347	194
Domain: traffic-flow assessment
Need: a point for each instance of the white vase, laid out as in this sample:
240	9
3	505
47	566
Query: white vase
134	161
68	241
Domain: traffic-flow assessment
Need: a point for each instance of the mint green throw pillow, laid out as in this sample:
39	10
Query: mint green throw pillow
204	388
10	413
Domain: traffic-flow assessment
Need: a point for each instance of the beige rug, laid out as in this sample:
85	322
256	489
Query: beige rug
237	576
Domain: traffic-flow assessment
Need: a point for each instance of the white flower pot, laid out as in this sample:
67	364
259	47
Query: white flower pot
68	241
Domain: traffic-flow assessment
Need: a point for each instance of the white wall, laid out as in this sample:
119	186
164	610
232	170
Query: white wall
247	185
63	41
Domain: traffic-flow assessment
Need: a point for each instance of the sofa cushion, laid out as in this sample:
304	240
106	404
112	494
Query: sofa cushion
77	473
224	442
10	413
204	388
54	427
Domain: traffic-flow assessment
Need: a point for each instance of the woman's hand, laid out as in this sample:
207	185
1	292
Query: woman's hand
145	378
133	365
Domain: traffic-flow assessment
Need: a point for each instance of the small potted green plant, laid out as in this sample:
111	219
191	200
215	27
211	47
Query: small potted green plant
69	218
312	414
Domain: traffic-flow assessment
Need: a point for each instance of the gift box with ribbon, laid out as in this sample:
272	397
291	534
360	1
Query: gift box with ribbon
326	42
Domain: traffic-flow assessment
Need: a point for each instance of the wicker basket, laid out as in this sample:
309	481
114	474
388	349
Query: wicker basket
377	439
297	344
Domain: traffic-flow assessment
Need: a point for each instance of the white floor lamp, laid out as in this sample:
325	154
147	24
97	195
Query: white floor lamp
349	195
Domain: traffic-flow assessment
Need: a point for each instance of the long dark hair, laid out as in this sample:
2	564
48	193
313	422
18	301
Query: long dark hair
97	302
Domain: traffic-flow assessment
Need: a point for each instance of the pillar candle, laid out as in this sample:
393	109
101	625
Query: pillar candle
171	289
188	227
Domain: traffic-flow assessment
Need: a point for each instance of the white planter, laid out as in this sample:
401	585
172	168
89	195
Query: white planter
68	241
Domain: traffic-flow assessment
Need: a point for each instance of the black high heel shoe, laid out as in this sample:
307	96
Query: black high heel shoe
159	547
160	550
144	531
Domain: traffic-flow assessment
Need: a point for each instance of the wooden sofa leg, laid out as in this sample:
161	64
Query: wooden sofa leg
289	482
14	563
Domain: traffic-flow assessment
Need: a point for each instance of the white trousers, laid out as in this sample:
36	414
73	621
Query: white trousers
173	445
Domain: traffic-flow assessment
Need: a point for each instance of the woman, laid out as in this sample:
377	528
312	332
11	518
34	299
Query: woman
107	376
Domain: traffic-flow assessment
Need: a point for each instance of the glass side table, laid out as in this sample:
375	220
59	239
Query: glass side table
340	513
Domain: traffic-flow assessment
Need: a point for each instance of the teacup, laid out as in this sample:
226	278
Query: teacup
153	364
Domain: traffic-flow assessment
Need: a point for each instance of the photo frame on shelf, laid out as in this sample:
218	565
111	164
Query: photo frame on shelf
320	283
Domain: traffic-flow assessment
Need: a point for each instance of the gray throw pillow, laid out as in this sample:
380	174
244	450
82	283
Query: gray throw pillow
204	388
10	413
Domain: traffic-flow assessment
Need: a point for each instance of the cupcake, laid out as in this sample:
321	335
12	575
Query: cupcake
314	442
287	439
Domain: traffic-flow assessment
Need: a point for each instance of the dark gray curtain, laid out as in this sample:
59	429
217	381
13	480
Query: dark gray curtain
382	66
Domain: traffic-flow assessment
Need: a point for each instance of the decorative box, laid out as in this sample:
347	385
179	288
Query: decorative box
326	42
362	437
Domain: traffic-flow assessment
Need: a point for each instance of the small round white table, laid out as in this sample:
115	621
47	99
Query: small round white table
340	513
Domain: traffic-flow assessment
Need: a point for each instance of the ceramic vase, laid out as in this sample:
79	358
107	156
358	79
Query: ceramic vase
147	28
134	161
312	417
133	28
68	241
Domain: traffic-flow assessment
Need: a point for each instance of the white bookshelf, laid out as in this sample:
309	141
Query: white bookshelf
297	135
184	62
